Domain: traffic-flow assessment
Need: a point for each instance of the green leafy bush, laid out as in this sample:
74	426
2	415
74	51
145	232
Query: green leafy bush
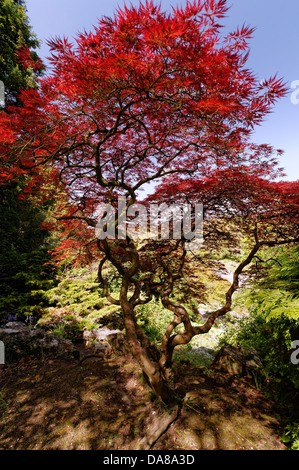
77	303
79	291
272	326
25	293
291	436
153	319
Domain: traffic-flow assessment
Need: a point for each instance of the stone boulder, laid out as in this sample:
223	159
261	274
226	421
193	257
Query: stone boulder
22	341
237	360
104	340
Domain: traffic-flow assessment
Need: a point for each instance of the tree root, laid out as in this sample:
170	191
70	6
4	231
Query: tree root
97	356
160	428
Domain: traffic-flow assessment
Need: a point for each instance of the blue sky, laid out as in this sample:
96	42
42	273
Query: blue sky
274	49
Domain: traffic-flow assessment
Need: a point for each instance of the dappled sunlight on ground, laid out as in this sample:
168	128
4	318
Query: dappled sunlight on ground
104	404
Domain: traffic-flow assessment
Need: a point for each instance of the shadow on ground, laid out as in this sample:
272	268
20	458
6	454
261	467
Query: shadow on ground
103	404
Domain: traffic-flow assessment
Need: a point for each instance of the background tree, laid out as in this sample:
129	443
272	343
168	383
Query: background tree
23	248
16	37
147	96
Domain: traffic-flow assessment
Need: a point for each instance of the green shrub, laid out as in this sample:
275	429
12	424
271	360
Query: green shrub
25	293
77	303
291	435
273	305
153	319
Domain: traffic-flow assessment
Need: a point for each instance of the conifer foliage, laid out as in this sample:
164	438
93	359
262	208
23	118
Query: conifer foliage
17	41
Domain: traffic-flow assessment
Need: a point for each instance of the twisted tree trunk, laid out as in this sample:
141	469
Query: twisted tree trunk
147	356
169	341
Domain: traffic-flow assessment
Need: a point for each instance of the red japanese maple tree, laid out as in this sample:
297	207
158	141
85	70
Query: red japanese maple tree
149	96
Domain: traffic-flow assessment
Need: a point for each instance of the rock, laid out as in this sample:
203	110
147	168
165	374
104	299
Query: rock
100	334
16	327
104	339
21	341
237	360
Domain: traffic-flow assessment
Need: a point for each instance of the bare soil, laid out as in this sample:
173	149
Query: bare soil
104	404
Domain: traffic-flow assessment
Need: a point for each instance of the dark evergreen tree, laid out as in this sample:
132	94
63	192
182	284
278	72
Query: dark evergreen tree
15	36
23	246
